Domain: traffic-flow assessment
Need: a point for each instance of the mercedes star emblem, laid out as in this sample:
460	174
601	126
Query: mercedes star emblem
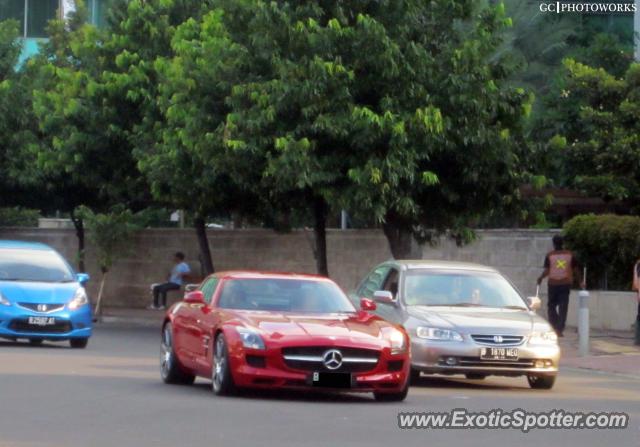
332	359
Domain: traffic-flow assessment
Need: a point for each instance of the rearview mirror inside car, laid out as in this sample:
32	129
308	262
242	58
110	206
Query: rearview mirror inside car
384	297
534	302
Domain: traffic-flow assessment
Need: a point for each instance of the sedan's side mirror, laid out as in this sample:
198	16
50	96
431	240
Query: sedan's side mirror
195	297
82	278
534	302
367	304
384	297
191	287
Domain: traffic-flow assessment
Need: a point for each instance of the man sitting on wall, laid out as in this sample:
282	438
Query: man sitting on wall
176	278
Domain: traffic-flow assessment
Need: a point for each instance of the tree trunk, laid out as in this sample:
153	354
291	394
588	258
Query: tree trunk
320	235
203	243
78	223
98	310
401	241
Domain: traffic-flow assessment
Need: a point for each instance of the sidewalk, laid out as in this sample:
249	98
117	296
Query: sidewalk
132	317
610	351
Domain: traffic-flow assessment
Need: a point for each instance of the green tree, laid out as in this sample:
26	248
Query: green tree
602	152
110	235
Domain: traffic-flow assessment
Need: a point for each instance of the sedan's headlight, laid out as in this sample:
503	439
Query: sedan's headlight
543	338
432	333
4	301
79	299
397	341
250	338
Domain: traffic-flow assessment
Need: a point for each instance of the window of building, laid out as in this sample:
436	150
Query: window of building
99	11
37	13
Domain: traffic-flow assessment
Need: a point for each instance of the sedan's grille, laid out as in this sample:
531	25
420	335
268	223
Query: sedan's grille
42	307
498	340
22	325
312	358
475	361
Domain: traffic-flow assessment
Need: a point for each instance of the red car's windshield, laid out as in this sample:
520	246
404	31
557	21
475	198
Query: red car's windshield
284	295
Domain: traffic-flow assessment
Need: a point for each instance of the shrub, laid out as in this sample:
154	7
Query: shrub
18	217
608	245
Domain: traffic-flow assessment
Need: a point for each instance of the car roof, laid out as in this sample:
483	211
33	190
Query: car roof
24	245
250	274
433	264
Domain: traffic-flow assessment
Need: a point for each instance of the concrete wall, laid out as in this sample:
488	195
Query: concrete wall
517	253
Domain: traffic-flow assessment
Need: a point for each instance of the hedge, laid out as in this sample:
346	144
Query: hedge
608	245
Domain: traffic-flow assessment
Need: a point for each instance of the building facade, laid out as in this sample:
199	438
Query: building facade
34	15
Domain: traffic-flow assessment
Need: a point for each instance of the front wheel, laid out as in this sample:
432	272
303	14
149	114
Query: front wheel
221	370
393	397
79	343
170	369
541	382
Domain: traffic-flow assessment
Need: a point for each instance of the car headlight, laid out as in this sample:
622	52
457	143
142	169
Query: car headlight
79	299
397	341
4	301
250	338
433	333
543	338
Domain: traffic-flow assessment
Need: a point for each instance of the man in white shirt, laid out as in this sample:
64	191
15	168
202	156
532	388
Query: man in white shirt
176	278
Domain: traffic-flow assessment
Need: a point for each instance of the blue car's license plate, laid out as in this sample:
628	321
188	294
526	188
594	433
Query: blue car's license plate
42	321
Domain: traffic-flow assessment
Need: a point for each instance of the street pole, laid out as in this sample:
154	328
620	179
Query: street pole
583	319
344	216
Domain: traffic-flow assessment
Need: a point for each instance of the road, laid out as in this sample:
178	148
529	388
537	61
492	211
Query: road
111	395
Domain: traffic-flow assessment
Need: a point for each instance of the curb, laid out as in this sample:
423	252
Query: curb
129	321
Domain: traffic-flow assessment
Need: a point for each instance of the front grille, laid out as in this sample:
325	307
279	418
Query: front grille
42	307
476	361
354	360
498	340
22	325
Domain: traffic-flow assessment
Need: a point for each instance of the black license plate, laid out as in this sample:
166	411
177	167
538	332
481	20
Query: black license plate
331	380
42	321
499	354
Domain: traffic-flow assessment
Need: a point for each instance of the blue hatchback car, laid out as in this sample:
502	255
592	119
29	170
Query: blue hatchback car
41	298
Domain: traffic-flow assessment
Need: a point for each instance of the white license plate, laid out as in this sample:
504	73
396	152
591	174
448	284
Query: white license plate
499	353
42	321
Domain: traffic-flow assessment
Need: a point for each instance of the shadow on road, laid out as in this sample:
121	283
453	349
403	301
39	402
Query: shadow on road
461	383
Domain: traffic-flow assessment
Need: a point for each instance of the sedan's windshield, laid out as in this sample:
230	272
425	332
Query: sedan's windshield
284	295
33	265
461	289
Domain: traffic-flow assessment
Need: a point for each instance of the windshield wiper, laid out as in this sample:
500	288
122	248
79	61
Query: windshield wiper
464	305
515	307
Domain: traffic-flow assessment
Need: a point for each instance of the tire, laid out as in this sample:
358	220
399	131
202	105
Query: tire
393	397
78	343
221	370
475	376
541	382
35	341
170	369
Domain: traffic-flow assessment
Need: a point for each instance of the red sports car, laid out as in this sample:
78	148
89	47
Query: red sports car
280	330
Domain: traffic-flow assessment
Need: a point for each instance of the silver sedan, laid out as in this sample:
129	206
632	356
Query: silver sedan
464	319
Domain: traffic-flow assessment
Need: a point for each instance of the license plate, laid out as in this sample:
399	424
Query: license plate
331	380
42	321
499	353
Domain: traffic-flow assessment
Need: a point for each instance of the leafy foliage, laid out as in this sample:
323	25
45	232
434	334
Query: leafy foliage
608	245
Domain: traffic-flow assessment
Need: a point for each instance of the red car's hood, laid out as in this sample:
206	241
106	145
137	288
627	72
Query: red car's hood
277	325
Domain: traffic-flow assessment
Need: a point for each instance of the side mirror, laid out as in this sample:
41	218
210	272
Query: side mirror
384	297
191	287
82	278
534	302
195	297
367	304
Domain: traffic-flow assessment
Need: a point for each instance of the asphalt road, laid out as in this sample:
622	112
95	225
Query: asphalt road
111	395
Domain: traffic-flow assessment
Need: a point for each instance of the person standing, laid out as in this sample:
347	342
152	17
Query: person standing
176	278
636	287
560	267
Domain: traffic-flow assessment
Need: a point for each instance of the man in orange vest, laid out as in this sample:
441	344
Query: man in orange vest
561	268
